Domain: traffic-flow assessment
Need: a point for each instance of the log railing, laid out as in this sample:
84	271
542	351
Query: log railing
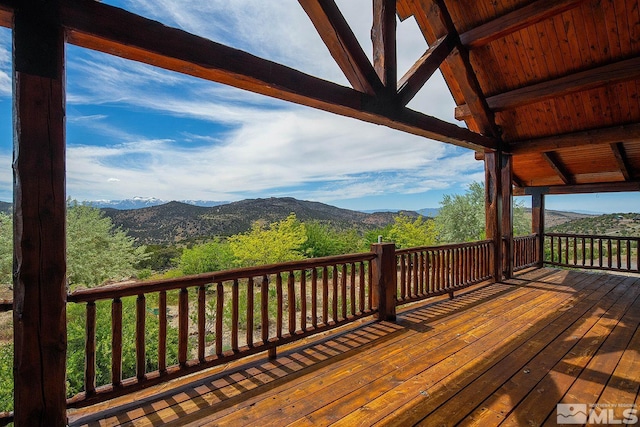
593	252
429	271
5	305
222	316
525	252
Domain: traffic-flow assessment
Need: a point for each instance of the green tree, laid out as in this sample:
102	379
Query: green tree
462	216
96	250
211	256
323	240
408	233
6	377
6	249
279	242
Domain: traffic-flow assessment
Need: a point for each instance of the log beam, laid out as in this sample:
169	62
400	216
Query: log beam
558	168
607	187
615	134
383	36
620	71
343	45
515	21
105	28
621	158
423	69
39	314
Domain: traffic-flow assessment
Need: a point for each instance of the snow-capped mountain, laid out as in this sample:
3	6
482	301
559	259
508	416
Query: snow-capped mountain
145	202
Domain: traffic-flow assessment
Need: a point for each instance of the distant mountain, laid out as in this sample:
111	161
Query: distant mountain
176	221
145	202
5	207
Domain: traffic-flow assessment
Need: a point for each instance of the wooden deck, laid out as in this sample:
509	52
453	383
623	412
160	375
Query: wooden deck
499	354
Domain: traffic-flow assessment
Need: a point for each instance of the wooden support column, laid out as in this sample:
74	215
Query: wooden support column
384	280
492	210
383	37
506	217
39	215
537	224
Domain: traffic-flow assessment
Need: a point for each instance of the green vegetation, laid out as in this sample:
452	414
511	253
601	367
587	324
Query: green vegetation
6	248
462	217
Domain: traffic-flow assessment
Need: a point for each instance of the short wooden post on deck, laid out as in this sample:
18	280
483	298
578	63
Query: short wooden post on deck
39	314
384	280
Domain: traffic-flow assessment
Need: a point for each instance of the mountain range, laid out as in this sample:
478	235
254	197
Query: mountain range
177	221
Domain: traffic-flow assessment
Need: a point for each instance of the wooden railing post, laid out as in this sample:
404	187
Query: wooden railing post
537	224
384	280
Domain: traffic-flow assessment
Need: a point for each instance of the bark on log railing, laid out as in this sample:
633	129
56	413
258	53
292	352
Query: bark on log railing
435	270
612	253
525	253
222	316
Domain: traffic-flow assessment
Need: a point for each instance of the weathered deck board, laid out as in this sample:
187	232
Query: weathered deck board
503	353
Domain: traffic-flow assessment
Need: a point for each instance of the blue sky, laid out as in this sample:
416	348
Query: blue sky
134	130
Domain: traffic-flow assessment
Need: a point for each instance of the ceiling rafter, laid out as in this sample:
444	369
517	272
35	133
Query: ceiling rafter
621	158
620	71
622	133
557	166
441	24
605	187
105	28
514	21
415	78
343	45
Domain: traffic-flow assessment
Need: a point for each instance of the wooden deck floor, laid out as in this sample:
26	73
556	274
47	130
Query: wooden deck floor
501	354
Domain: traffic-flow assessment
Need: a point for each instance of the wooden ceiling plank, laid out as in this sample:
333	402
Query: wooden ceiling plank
621	133
606	187
559	169
342	44
515	21
415	78
383	37
108	29
628	69
618	152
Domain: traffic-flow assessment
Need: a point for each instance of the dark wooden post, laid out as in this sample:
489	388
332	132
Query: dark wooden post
506	217
537	224
383	37
39	215
492	208
384	280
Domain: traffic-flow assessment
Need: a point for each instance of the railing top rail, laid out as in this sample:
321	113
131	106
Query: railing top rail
595	236
440	247
528	236
6	305
131	289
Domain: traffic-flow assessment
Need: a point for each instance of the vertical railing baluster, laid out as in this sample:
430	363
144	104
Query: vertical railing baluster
370	282
628	254
575	250
325	295
141	315
314	297
90	350
202	322
264	306
403	279
250	289
410	275
183	326
116	342
280	300
219	317
334	302
343	290
235	314
584	252
352	289
416	276
600	253
609	253
162	332
618	254
303	300
362	287
291	298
